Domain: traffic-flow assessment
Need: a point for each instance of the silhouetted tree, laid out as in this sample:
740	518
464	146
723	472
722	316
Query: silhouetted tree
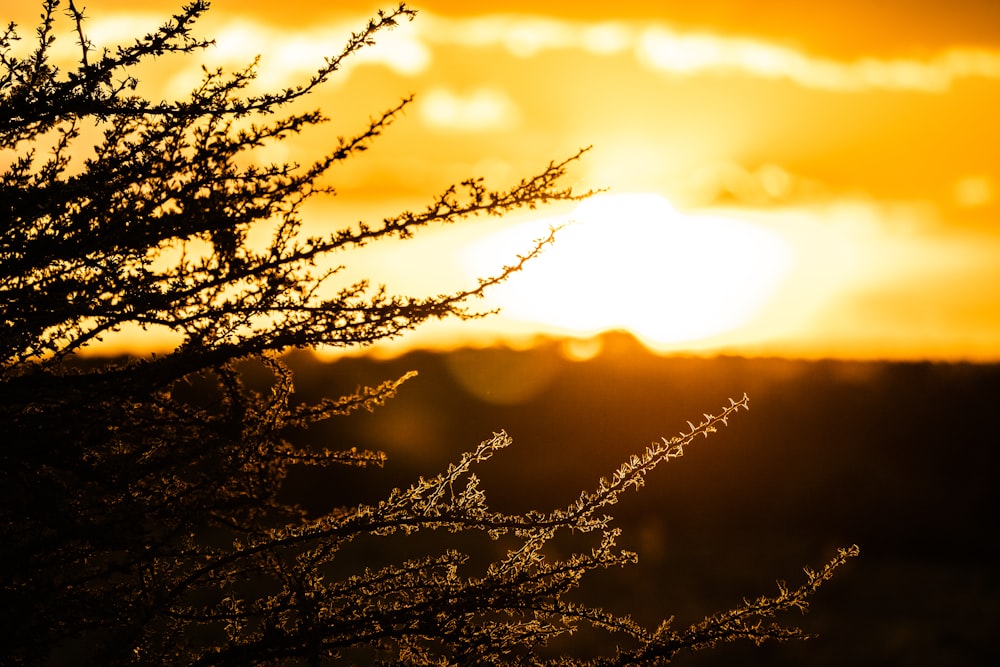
142	520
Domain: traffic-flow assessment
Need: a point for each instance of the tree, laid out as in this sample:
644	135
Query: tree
143	521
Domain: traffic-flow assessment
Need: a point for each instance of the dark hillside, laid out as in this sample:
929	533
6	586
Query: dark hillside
899	458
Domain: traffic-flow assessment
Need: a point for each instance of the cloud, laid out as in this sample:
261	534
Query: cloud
974	191
666	50
481	109
662	48
283	50
408	49
527	36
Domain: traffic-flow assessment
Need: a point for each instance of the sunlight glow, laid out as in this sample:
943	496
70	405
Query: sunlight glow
633	262
846	204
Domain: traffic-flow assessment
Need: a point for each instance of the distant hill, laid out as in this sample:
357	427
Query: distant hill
899	458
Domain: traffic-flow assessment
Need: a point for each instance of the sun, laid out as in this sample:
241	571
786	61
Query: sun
633	262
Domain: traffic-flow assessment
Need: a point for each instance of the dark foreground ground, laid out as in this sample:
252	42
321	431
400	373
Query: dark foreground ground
898	458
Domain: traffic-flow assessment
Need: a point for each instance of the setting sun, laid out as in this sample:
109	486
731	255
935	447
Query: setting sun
633	262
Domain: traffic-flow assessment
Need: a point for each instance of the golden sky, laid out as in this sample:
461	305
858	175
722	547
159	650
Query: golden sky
805	179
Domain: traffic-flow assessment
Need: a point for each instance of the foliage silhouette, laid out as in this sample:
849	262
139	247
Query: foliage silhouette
143	520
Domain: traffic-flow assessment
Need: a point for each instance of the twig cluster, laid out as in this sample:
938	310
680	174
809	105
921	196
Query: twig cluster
141	501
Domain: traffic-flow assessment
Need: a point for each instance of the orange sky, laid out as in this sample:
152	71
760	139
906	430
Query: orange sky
839	160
